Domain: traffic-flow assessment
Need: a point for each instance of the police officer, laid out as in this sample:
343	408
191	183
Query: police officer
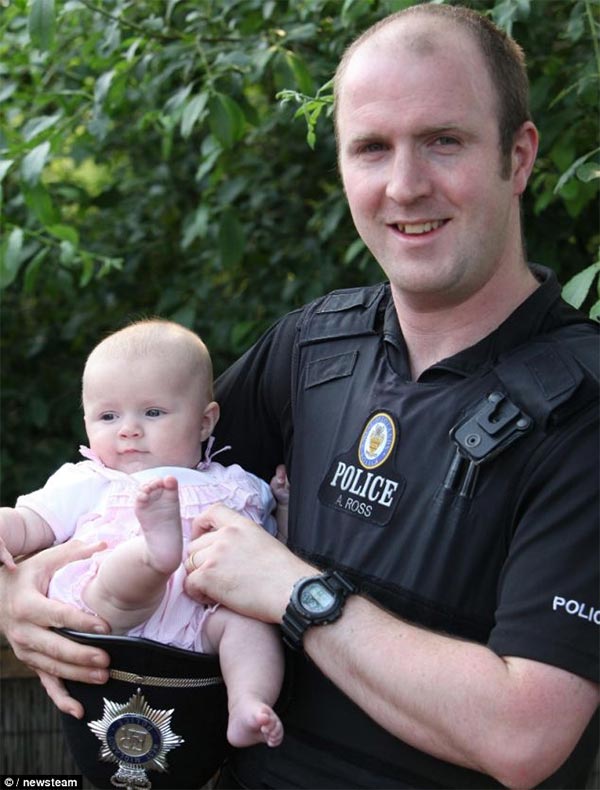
438	592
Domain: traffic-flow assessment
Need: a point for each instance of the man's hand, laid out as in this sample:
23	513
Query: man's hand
26	615
280	486
236	562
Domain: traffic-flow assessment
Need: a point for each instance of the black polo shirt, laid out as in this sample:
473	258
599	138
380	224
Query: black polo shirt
504	552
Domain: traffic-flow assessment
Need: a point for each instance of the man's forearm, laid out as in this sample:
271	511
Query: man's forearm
454	699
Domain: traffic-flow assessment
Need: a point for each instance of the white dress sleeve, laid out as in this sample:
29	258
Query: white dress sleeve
260	504
71	492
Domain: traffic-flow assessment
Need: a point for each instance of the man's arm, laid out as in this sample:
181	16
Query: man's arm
454	699
26	615
255	401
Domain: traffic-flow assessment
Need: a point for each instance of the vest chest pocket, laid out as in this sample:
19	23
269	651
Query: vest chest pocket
338	366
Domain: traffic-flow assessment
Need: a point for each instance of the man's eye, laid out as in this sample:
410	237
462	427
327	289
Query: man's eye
371	148
445	140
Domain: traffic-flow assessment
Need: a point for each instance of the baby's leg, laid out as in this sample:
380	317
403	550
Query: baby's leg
131	581
251	659
157	510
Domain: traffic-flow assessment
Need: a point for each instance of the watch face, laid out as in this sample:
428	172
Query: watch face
316	598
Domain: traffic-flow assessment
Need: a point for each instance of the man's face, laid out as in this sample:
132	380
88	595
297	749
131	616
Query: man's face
420	160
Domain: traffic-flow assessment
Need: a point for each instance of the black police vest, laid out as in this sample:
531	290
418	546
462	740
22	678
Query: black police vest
409	476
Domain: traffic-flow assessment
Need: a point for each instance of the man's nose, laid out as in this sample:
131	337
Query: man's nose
409	178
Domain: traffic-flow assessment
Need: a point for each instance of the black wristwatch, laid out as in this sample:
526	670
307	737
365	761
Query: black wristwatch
315	600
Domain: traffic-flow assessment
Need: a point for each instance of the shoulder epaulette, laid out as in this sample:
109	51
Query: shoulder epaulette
543	376
345	313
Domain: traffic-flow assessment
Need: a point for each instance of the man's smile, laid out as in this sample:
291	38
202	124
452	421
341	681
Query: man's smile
418	228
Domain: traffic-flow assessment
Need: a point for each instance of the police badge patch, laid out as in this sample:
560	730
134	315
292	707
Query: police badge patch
137	737
377	440
363	481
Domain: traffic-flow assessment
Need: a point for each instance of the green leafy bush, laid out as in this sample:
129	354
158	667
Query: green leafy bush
147	166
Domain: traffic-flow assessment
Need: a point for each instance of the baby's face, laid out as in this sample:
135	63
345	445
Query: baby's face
140	414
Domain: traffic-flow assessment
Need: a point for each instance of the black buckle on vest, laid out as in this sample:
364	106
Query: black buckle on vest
495	425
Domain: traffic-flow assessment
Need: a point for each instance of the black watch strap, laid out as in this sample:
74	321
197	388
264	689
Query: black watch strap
295	623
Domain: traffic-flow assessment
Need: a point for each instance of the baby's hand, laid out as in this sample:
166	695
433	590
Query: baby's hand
280	485
6	558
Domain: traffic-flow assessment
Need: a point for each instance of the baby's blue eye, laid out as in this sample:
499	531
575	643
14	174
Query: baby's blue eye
153	413
109	417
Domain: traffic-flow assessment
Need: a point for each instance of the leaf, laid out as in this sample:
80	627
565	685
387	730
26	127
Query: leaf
353	250
108	265
42	23
576	25
175	101
572	170
301	74
506	12
210	155
32	270
130	54
352	10
65	233
240	334
102	86
39	202
302	32
87	269
196	226
578	287
67	253
10	257
35	126
33	164
261	59
170	8
98	124
7	90
310	107
588	172
231	239
227	120
268	9
5	165
193	110
186	316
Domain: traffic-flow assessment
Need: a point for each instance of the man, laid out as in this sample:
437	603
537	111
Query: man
439	434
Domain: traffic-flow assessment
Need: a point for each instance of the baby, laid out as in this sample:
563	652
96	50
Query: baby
148	408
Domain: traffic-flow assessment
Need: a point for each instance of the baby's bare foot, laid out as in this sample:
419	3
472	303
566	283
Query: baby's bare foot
157	510
252	721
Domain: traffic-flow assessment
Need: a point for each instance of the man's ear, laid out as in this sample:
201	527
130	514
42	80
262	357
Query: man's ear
210	418
523	155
